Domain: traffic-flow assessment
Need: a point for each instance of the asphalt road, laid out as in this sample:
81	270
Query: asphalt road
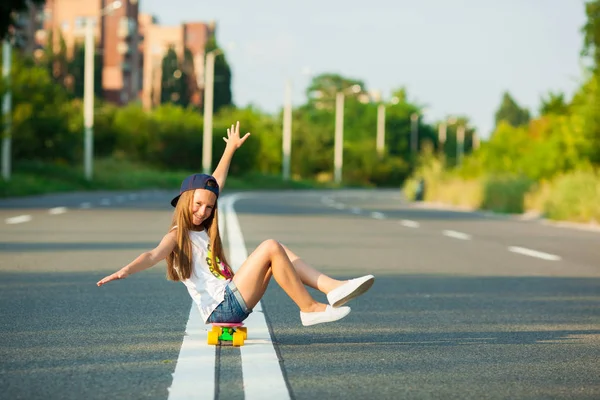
465	305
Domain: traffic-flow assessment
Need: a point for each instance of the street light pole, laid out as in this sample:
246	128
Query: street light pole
460	137
338	149
209	87
88	90
88	98
414	133
442	130
6	109
287	130
380	141
339	137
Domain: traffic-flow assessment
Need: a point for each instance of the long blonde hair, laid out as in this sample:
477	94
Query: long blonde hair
179	261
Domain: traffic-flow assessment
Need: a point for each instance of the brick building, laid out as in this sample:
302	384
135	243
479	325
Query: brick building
132	44
157	40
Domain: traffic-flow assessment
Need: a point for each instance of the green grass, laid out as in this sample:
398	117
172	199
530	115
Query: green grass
31	178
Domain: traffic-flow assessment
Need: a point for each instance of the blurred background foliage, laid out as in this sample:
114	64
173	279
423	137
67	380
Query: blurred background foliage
545	162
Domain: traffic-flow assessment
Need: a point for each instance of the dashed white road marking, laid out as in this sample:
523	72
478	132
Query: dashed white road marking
377	215
18	219
105	202
355	210
457	235
409	224
340	206
534	253
57	210
133	196
85	205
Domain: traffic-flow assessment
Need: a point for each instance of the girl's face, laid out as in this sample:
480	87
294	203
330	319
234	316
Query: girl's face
203	204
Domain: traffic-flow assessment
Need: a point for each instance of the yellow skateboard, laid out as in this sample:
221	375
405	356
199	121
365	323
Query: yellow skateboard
227	334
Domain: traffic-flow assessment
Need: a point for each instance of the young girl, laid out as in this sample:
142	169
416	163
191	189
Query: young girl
195	256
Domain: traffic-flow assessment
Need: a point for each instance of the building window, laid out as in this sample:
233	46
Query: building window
124	27
79	23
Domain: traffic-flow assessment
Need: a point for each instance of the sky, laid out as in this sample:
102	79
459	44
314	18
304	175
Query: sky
454	57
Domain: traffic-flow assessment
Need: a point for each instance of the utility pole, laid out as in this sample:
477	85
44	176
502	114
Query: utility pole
414	133
380	141
460	137
287	131
6	109
442	129
209	87
88	98
338	149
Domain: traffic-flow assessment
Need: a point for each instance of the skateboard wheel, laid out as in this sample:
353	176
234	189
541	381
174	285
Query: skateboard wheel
243	330
238	339
213	338
216	329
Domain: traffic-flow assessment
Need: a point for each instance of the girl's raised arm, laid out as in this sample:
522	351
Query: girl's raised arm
144	260
234	142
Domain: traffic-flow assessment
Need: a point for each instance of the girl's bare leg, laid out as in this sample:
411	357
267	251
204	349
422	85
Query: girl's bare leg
270	258
310	276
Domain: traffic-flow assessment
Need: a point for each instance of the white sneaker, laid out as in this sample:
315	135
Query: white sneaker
329	315
351	289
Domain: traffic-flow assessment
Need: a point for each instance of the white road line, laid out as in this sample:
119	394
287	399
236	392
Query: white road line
194	375
377	215
57	210
261	371
133	196
105	202
534	253
340	206
355	210
457	235
85	205
409	224
18	220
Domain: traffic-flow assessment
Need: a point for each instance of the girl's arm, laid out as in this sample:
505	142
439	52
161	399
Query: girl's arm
234	142
144	260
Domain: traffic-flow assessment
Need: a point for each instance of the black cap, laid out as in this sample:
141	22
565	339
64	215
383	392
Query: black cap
197	181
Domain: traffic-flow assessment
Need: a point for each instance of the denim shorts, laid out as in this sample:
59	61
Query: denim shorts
232	308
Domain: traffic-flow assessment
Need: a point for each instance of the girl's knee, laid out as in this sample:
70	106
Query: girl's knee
271	246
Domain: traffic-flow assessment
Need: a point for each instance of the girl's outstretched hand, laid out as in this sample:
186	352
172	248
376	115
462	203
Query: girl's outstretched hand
233	138
112	277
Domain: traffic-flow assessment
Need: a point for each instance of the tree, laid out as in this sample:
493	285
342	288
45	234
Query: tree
8	11
591	32
323	88
510	112
189	74
76	70
554	104
174	82
222	90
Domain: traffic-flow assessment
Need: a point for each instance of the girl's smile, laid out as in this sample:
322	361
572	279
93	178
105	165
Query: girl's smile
203	204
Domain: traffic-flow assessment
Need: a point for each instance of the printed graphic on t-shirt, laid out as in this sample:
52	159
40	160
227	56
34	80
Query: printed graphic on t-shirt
222	271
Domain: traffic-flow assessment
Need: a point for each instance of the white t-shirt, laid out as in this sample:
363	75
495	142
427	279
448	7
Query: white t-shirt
205	285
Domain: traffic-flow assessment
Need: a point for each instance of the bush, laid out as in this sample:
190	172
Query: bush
572	196
505	193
